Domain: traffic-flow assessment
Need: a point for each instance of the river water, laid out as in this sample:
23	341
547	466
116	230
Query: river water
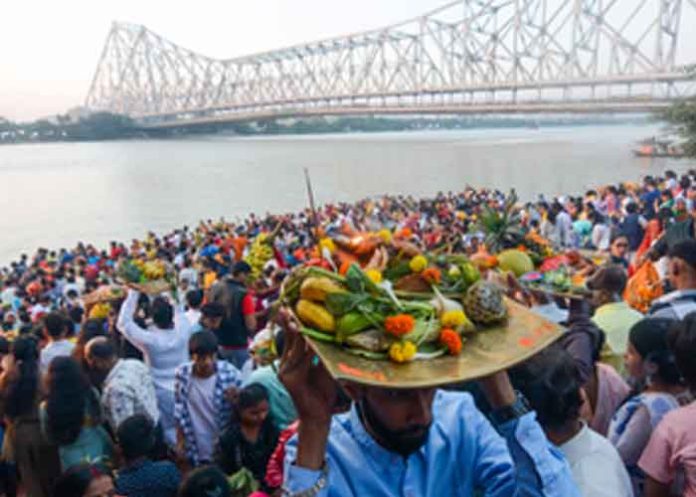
53	195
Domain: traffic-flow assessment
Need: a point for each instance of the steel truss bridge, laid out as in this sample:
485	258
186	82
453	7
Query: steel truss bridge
470	56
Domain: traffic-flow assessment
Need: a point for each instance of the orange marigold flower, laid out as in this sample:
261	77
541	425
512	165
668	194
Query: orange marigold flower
399	325
405	233
452	340
432	275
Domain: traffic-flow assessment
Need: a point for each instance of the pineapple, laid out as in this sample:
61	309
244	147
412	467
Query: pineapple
502	227
484	303
503	230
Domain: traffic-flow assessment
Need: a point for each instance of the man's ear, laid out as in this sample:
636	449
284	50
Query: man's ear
354	390
677	267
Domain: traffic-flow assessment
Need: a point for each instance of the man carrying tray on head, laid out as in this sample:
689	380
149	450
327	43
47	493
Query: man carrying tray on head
422	442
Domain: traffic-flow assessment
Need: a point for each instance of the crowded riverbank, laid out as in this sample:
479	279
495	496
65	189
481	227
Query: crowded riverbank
99	192
185	350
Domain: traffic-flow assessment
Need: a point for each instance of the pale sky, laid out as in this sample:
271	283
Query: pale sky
49	49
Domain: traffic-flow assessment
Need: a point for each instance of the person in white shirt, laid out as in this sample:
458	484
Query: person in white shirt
601	232
564	227
551	383
41	308
188	273
164	345
194	299
55	330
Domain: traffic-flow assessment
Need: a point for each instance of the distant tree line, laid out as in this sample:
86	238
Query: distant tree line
97	126
107	126
368	124
682	116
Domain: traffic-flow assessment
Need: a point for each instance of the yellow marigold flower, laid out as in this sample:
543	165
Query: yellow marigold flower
418	263
327	243
402	351
385	235
454	272
374	275
452	319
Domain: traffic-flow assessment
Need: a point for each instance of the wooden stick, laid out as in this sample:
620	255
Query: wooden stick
310	194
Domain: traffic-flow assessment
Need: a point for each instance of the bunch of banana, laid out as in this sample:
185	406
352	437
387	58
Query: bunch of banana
100	311
259	254
154	270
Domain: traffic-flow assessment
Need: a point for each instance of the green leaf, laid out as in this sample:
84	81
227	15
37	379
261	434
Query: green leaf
339	304
318	335
354	279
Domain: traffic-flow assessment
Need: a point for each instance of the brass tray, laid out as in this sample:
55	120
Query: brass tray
105	293
154	287
484	353
578	294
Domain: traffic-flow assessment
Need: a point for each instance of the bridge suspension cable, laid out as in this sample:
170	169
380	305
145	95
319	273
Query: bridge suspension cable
467	56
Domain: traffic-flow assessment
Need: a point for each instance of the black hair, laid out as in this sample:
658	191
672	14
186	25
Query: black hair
279	340
551	383
686	251
162	313
204	482
103	349
681	340
649	338
22	393
203	343
91	328
616	234
76	314
76	480
136	436
598	344
68	389
213	310
54	322
631	208
194	298
664	214
241	267
251	395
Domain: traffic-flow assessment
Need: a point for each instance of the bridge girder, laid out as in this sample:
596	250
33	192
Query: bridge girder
470	51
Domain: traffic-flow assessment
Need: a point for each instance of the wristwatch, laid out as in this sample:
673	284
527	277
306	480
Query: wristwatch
314	489
518	409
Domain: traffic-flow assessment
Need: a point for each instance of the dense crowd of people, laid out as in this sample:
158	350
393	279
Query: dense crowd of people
173	395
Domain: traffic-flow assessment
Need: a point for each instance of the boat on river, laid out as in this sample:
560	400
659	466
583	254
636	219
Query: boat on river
656	147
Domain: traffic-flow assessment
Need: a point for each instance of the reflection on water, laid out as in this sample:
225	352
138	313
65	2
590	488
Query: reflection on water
56	194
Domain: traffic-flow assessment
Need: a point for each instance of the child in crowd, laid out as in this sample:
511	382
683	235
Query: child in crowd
85	480
252	437
669	460
140	476
657	385
203	388
552	384
55	332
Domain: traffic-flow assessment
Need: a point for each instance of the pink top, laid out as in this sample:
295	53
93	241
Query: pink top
670	456
612	390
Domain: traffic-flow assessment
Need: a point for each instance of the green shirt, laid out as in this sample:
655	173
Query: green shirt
282	409
616	320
